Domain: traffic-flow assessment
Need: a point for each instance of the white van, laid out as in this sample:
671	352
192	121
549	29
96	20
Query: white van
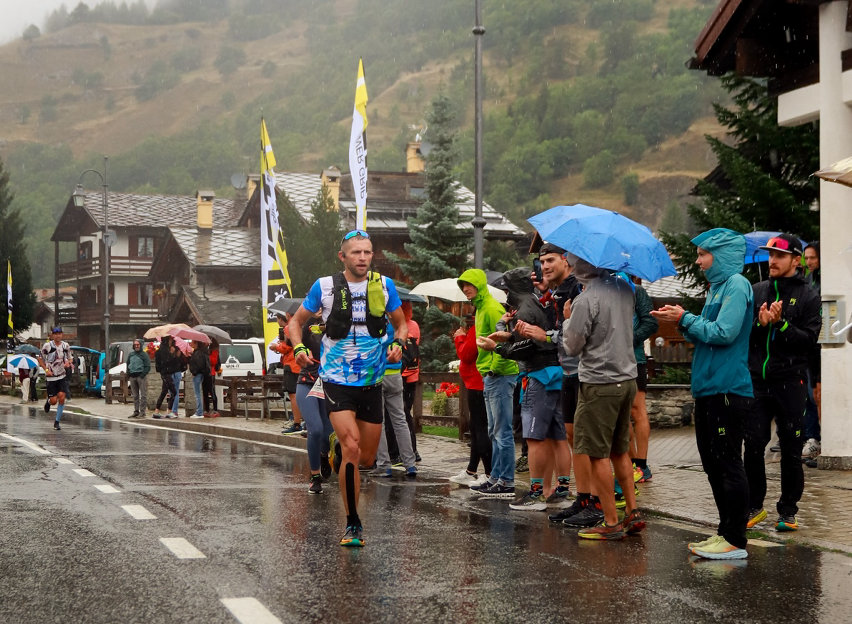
241	357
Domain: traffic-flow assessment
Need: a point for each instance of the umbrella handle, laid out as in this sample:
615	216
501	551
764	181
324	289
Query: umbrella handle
835	328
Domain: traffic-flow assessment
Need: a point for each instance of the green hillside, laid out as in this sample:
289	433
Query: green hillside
578	96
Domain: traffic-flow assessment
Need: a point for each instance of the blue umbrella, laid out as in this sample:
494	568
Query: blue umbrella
605	239
21	360
754	242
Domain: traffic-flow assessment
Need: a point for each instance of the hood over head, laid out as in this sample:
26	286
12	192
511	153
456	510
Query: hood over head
728	249
478	278
518	284
585	271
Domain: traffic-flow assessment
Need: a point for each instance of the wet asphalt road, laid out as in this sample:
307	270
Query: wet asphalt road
70	553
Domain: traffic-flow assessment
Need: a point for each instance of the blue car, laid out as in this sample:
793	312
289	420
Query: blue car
89	364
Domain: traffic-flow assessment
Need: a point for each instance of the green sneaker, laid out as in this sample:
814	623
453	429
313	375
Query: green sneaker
720	549
620	503
693	545
786	523
352	538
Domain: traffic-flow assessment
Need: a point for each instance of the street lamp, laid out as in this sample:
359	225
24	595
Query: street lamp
79	197
478	222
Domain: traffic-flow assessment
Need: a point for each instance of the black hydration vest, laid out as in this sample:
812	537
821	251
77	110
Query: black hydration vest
340	318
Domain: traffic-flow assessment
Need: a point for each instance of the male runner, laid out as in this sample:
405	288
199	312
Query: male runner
352	363
55	358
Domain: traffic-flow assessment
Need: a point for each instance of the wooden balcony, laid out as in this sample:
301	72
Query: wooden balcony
119	266
119	315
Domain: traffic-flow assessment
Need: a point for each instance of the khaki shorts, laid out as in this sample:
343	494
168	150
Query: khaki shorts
602	419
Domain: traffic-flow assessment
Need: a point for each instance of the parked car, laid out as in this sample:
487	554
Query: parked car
89	364
118	352
241	357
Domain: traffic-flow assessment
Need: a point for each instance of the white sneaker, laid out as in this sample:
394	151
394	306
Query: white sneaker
465	478
812	448
196	416
483	478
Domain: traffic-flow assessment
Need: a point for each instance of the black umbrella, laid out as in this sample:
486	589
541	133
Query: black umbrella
285	305
28	349
405	295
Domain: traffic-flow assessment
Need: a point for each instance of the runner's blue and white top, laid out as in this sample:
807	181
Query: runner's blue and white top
358	359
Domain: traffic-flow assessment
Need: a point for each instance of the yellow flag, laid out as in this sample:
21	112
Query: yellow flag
275	280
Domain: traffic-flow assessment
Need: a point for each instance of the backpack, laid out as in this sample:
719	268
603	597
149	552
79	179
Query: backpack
340	318
411	355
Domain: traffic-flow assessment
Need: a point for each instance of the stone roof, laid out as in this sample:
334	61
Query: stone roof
131	210
392	198
216	306
219	247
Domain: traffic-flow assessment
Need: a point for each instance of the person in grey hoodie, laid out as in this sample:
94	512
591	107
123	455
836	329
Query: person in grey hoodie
599	328
721	384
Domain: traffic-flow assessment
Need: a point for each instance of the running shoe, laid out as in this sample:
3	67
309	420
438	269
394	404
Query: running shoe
417	457
383	473
786	523
465	478
720	549
411	472
293	428
602	531
352	537
755	516
482	486
812	448
396	461
172	415
620	503
646	475
47	405
56	425
693	545
810	462
499	490
156	415
522	464
334	453
634	522
637	474
325	467
559	497
568	512
589	516
531	501
316	485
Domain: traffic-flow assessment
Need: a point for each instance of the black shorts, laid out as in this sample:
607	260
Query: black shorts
642	377
57	386
366	401
570	393
290	379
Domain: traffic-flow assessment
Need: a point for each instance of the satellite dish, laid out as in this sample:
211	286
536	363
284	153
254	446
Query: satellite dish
239	180
425	147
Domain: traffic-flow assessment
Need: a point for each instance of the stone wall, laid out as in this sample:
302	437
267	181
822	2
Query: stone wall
669	406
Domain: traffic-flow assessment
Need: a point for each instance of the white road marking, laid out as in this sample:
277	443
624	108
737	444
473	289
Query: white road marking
29	445
106	488
181	548
83	472
62	460
139	512
249	610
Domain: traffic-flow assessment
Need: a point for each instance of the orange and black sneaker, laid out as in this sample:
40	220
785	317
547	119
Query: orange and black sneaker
603	531
634	522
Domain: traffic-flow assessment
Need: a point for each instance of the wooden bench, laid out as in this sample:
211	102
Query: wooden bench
255	393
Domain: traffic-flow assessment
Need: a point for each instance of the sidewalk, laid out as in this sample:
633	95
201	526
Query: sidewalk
679	489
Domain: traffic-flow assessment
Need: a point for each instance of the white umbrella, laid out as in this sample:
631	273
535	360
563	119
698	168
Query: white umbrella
448	290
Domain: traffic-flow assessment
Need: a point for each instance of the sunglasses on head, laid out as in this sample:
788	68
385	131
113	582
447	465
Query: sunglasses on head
778	243
355	233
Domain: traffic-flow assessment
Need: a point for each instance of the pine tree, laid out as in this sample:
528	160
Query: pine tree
438	247
763	179
12	248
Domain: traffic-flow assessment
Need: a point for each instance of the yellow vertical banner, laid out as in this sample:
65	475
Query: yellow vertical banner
275	280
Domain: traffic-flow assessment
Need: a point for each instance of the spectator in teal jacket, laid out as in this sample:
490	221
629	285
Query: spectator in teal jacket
721	384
